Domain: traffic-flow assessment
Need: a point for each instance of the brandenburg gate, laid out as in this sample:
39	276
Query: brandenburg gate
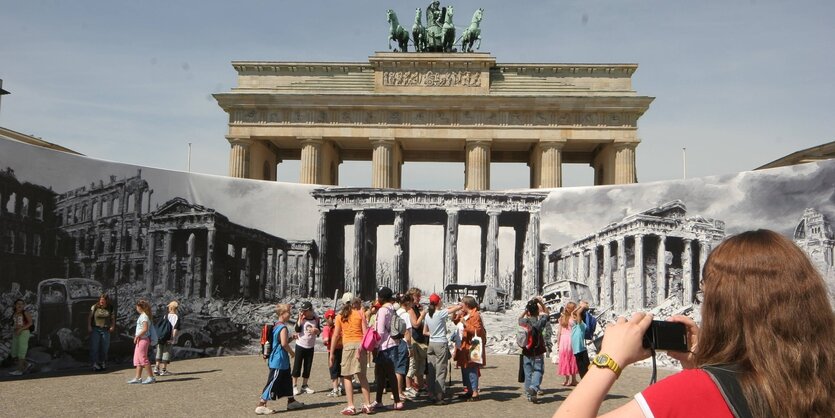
444	107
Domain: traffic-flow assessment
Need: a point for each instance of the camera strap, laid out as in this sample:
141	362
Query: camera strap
654	369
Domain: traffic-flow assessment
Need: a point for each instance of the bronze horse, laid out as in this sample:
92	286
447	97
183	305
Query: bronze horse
396	32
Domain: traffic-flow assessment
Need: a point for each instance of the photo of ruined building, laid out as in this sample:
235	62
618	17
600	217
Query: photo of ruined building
637	263
109	232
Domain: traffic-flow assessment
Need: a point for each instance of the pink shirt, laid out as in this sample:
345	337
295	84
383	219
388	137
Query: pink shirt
383	327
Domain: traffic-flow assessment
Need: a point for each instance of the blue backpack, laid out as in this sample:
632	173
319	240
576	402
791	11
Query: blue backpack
591	325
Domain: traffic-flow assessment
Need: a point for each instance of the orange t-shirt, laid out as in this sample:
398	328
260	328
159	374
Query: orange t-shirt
352	329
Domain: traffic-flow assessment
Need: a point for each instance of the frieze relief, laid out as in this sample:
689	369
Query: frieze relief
430	78
433	117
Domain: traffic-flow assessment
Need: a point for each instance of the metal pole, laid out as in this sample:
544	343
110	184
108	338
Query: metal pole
189	157
684	162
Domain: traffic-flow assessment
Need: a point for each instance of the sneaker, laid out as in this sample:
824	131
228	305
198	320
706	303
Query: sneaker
263	410
294	405
333	393
539	392
16	373
306	389
134	380
155	371
410	393
164	373
340	391
97	367
296	391
104	365
149	380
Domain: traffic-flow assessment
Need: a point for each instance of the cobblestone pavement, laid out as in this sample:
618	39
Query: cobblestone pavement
230	387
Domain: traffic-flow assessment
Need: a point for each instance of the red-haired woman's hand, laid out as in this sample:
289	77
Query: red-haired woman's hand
687	359
623	341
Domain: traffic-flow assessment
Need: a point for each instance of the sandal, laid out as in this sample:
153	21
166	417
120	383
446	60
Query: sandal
473	398
397	406
349	410
367	409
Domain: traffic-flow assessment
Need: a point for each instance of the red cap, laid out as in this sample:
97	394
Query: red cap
377	304
435	299
330	313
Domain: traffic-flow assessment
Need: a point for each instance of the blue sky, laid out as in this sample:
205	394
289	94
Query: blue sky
737	83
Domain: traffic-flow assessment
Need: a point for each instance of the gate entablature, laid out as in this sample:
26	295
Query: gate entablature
402	107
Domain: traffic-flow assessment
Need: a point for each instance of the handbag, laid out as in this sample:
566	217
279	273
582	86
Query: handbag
476	350
370	340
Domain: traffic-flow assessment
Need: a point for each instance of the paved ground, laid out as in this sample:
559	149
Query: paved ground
230	386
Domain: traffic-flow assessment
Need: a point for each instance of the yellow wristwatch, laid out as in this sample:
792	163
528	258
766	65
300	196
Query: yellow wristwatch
605	362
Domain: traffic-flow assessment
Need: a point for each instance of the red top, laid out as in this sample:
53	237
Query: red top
690	393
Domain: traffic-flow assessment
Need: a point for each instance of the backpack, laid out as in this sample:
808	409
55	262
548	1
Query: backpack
397	327
164	329
152	334
529	338
591	325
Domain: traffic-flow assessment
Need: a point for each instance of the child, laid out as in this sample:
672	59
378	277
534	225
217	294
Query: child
143	342
307	329
279	382
568	364
335	351
163	356
20	338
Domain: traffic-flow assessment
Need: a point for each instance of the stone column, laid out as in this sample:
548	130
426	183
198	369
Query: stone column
400	264
322	259
303	274
530	269
311	159
704	250
239	158
594	276
167	263
491	260
687	271
545	267
551	166
661	270
311	274
262	277
269	292
382	164
607	273
639	271
625	163
150	263
477	165
622	273
451	248
282	272
189	281
359	246
246	275
584	267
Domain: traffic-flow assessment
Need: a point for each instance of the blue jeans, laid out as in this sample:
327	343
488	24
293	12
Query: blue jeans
99	344
470	377
534	366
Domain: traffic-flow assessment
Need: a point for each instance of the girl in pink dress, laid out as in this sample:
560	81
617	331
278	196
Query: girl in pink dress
567	362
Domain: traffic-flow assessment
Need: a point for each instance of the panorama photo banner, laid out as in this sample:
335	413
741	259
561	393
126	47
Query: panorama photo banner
73	226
